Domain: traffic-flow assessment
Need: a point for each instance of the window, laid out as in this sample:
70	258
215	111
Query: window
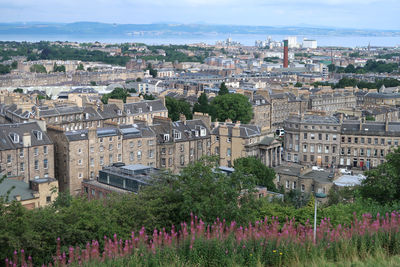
166	137
38	134
305	136
79	161
312	158
326	149
369	140
182	160
216	150
326	159
9	158
101	148
287	184
382	152
304	158
177	134
348	139
333	149
334	137
35	151
182	148
362	140
101	140
45	164
139	155
80	175
349	151
294	185
110	139
355	140
229	139
150	142
312	147
319	149
101	160
110	159
376	141
304	148
312	136
79	150
119	157
151	153
343	138
21	153
48	199
36	165
22	167
45	149
396	142
91	149
320	136
131	156
131	144
119	145
342	151
389	142
303	188
163	162
361	151
170	162
228	152
191	152
92	162
170	151
382	141
327	137
139	143
110	147
296	137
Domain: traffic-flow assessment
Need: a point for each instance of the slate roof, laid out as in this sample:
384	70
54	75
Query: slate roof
382	95
134	108
371	128
21	188
187	130
246	130
6	143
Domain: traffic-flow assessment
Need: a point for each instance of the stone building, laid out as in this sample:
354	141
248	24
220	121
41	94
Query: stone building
270	151
282	105
26	151
234	140
81	154
365	144
261	113
312	140
36	193
297	177
331	103
180	143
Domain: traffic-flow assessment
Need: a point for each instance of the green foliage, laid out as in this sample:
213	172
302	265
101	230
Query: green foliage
370	66
152	71
139	79
251	165
58	68
117	93
331	67
383	183
223	90
4	69
342	195
14	65
231	106
18	90
298	84
202	104
80	67
92	83
37	68
370	118
177	107
146	96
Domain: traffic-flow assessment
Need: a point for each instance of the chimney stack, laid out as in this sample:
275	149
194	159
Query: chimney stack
182	118
285	53
386	122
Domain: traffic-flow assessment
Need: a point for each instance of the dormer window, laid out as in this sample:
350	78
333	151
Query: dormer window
203	131
119	112
151	108
38	134
128	111
166	137
177	134
14	138
140	110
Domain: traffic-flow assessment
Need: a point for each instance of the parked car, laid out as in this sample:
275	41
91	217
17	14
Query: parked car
346	171
317	168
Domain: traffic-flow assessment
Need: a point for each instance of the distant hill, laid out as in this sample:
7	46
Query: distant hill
165	29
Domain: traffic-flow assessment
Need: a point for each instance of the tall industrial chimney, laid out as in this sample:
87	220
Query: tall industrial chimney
285	54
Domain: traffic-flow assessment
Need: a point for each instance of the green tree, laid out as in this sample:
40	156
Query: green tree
202	104
331	67
117	93
152	71
57	68
350	69
14	65
139	79
4	69
177	107
231	106
223	90
383	183
298	84
18	90
80	67
93	83
37	68
251	165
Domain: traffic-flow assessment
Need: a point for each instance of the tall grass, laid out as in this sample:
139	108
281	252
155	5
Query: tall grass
264	243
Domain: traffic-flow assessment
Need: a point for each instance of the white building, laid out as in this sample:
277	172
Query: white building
292	42
307	43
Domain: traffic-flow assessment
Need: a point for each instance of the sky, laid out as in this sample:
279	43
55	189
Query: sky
359	14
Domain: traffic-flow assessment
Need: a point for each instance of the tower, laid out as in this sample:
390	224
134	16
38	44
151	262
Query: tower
285	54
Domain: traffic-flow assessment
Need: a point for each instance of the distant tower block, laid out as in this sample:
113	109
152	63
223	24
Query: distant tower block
285	54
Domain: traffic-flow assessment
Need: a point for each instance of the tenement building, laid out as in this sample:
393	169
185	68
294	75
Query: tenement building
82	154
312	140
366	144
234	140
26	151
330	103
180	143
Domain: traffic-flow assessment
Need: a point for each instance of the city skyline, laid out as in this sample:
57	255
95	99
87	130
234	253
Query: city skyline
332	13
